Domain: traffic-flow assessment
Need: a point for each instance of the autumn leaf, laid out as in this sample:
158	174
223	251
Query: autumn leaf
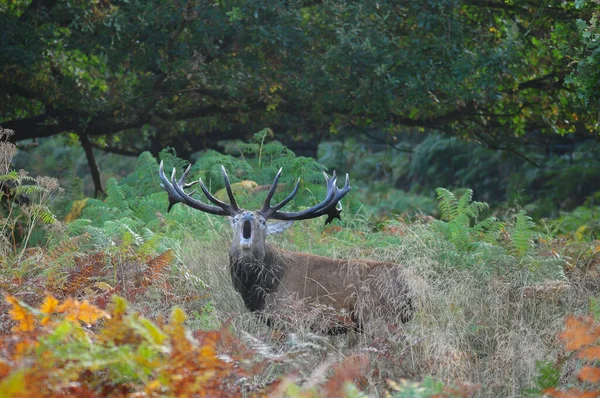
5	368
571	393
207	352
20	314
85	312
590	374
345	372
589	353
579	332
48	307
178	317
90	313
23	348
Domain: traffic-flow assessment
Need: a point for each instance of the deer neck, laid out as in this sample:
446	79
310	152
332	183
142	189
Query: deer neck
255	275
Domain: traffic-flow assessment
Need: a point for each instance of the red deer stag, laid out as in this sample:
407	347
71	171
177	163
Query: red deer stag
268	278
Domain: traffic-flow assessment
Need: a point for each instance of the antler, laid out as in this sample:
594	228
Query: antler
175	190
327	206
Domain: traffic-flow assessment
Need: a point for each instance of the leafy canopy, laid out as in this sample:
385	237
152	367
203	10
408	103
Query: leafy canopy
141	75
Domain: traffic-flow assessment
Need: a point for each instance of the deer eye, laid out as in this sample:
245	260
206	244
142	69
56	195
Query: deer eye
263	222
235	220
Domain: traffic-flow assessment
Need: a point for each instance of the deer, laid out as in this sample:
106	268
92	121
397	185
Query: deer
268	278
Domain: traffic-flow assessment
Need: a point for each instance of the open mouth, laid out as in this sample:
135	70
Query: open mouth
247	230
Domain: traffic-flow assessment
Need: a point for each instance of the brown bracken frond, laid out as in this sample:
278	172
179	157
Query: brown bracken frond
581	336
579	332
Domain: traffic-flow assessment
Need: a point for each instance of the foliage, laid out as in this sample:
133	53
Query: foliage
141	75
457	216
580	337
75	348
582	223
450	162
492	246
379	177
25	203
587	76
548	378
551	180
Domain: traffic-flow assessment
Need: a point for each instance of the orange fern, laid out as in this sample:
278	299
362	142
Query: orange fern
581	336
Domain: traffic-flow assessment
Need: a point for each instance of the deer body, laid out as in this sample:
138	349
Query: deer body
339	284
271	280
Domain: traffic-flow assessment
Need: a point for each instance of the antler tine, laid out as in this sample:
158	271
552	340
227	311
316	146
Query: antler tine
288	198
190	184
181	181
228	189
176	193
267	204
327	177
174	197
210	197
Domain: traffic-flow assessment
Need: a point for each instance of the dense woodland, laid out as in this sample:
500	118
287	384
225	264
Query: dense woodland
470	133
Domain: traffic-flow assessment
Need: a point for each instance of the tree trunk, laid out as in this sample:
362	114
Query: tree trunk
91	159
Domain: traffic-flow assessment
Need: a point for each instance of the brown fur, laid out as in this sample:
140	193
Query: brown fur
347	286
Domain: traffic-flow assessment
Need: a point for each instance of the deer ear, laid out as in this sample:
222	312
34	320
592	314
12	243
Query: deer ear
278	226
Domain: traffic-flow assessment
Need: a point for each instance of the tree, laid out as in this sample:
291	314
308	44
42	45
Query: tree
144	74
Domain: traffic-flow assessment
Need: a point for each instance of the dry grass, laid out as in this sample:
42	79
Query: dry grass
488	329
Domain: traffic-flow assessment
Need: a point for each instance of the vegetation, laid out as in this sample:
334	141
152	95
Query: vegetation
88	294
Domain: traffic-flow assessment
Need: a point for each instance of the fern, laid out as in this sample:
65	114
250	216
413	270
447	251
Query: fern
99	212
42	213
489	229
97	236
28	190
465	206
522	233
150	241
447	203
460	214
115	197
78	227
11	176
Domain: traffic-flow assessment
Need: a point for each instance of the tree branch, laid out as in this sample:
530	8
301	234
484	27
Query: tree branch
92	164
524	11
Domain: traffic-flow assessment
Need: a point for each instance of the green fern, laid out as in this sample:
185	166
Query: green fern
99	212
11	176
489	229
29	189
466	206
461	227
115	196
78	227
42	213
522	233
448	204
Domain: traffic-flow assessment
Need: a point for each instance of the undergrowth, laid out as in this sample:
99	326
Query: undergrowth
492	293
76	349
